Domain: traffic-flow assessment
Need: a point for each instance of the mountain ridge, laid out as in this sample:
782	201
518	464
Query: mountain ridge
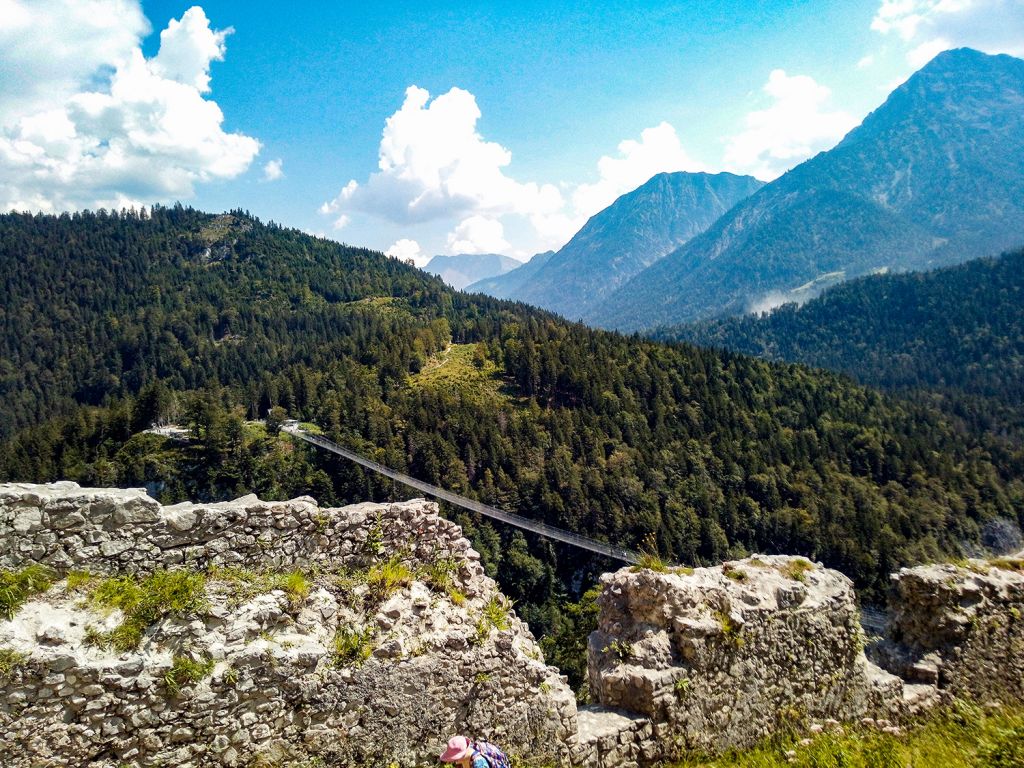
461	269
636	230
934	176
955	333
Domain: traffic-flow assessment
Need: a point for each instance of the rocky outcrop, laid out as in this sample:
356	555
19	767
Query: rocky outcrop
723	657
719	658
369	633
392	640
960	629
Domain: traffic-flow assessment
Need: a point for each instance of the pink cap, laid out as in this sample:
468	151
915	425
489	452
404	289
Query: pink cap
458	748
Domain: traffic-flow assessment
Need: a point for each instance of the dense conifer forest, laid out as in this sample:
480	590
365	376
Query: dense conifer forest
114	322
954	336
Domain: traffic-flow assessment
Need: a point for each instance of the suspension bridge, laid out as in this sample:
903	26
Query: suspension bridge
525	523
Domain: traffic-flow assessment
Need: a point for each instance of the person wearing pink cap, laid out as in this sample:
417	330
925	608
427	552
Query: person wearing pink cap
468	754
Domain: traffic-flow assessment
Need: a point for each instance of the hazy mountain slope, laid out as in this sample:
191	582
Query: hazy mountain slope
632	233
504	286
934	176
464	268
956	331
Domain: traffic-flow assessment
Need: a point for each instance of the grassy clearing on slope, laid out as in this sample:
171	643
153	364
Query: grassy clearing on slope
461	369
966	736
388	306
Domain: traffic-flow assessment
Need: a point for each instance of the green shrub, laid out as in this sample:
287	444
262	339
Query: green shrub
796	569
384	579
438	575
374	545
10	660
650	561
352	646
623	651
496	612
184	671
493	616
736	574
730	631
18	586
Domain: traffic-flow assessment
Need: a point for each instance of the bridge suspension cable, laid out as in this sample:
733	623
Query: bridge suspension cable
542	529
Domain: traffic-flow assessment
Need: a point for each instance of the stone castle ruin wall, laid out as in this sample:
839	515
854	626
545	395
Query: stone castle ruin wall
683	659
275	690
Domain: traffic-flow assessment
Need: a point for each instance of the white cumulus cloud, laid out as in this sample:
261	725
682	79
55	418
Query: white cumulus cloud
478	234
658	150
113	128
434	164
928	27
798	124
273	170
187	47
48	48
406	250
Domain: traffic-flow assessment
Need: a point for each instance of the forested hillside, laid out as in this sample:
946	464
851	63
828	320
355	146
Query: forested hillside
113	322
957	332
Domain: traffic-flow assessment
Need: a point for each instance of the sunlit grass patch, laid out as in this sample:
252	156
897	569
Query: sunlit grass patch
386	578
145	601
963	736
796	569
439	576
18	586
352	646
245	584
460	368
186	671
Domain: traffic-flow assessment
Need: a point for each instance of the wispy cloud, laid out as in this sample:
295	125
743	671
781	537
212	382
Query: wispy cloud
927	27
273	170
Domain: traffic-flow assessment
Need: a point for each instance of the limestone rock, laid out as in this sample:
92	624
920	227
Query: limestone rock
275	684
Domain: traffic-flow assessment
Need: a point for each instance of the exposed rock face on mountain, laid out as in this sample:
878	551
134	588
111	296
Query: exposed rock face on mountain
627	236
465	268
507	285
934	176
357	670
959	628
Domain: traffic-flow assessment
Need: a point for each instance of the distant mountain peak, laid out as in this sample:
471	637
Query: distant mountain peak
616	243
934	176
461	269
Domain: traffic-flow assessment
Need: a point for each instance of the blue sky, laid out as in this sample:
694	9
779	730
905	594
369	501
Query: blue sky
278	108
